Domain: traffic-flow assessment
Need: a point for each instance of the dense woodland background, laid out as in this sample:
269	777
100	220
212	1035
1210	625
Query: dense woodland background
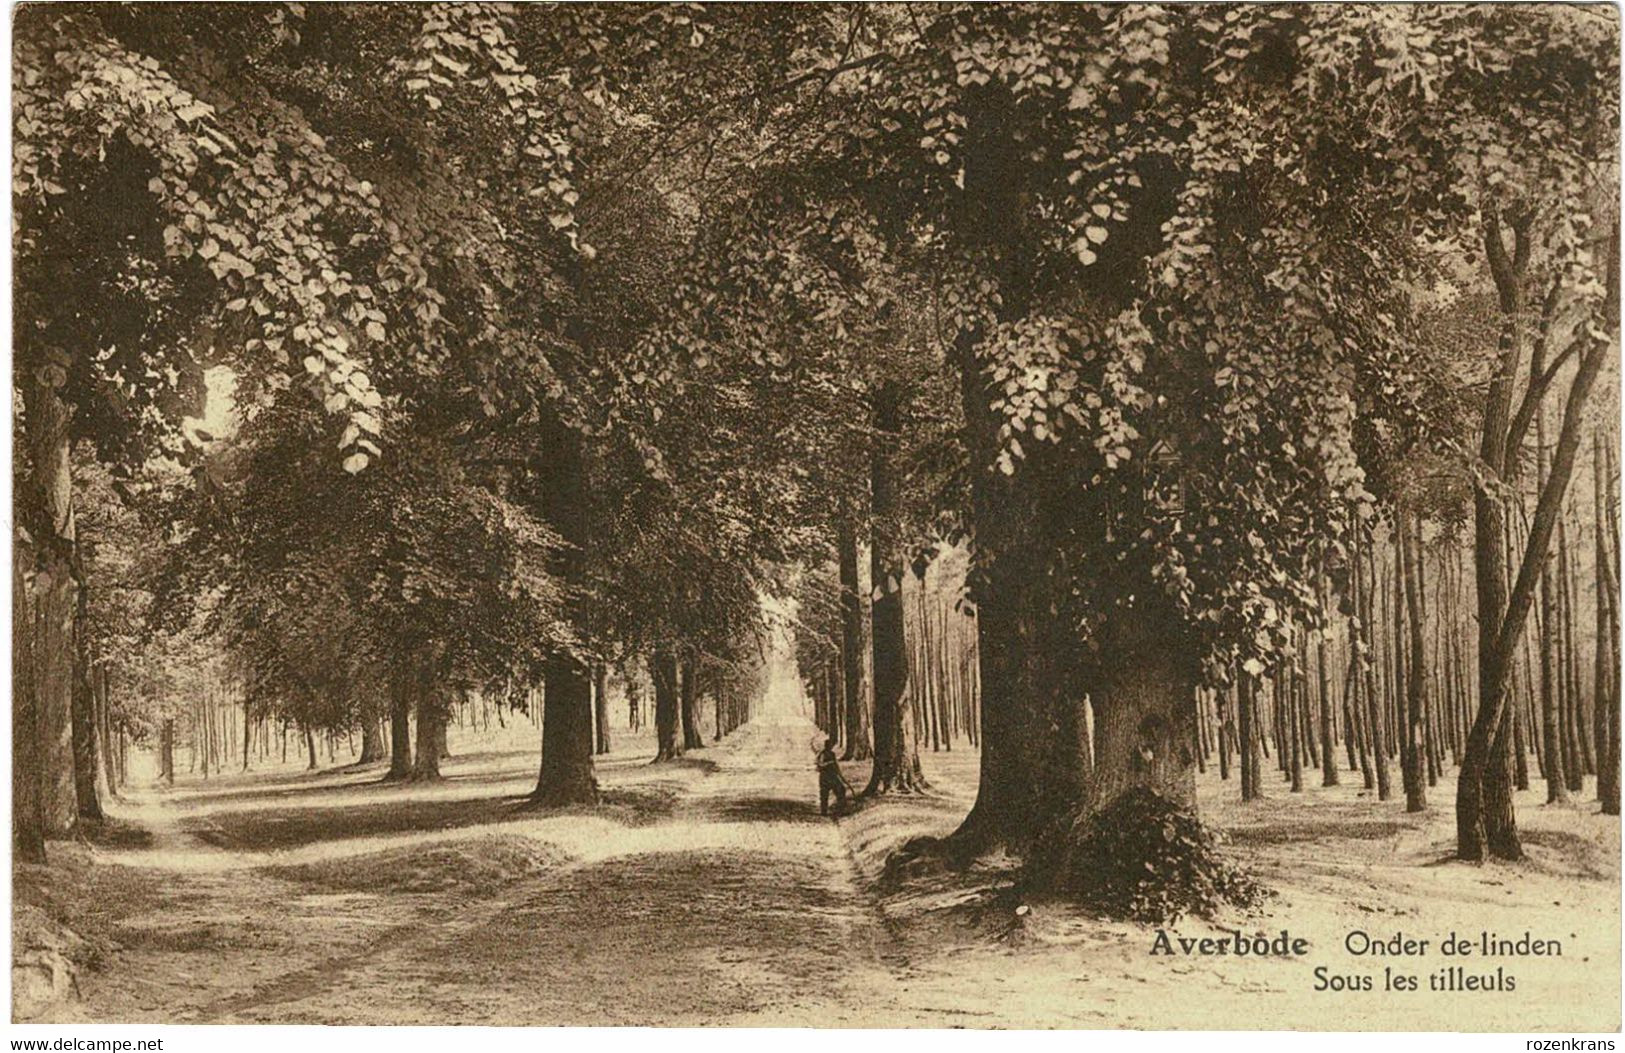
1117	391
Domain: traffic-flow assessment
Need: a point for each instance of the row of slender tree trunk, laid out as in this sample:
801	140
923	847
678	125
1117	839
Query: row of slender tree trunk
940	632
1388	692
1394	685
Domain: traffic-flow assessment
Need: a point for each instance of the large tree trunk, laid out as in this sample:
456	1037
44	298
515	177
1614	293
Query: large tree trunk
896	749
1036	758
372	742
27	776
46	510
566	775
1144	698
853	649
690	698
86	762
663	669
431	728
400	728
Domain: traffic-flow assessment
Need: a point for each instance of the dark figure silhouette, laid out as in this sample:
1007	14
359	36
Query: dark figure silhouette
830	780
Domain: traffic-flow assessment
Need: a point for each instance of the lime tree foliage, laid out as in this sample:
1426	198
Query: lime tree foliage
1176	254
354	599
563	334
303	195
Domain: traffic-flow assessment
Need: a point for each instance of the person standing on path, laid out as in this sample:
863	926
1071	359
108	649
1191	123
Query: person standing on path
830	780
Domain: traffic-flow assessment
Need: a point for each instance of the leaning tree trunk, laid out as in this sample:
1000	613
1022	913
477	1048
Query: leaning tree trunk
663	669
1484	814
896	749
566	775
853	665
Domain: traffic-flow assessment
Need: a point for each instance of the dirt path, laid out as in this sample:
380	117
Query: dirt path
740	905
710	891
732	901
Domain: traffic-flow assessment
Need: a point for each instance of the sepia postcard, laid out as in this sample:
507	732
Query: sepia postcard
823	515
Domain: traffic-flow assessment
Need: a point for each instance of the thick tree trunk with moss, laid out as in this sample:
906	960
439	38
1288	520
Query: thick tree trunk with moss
663	670
853	649
1144	698
896	749
1036	758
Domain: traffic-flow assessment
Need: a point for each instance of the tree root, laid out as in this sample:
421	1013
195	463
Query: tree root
1143	858
912	784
